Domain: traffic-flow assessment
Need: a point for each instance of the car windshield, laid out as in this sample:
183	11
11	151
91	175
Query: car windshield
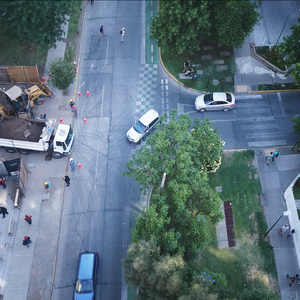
84	286
208	98
69	137
139	127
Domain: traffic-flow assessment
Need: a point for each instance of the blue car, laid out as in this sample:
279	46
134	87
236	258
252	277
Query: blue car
85	288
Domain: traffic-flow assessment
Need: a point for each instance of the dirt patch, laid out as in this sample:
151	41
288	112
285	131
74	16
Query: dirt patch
16	128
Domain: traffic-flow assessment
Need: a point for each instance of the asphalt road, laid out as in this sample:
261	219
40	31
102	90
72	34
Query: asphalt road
123	83
96	214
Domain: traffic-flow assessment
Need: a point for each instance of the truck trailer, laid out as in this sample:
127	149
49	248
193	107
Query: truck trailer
26	135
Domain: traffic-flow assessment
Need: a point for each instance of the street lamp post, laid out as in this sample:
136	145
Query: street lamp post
285	213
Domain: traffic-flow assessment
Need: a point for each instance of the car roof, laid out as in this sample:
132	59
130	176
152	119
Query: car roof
149	116
219	96
86	265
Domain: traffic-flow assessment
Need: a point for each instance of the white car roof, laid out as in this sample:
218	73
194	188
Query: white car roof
220	97
149	116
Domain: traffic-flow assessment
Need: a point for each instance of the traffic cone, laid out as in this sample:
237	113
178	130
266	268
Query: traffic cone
43	79
79	94
87	93
79	165
84	120
61	120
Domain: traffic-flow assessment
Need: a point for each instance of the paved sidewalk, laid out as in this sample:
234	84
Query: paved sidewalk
19	266
275	181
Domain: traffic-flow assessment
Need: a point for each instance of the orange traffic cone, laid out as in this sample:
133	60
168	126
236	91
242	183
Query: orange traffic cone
43	79
79	94
79	165
61	120
87	93
84	120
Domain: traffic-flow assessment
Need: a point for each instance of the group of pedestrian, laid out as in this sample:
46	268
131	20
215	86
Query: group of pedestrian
27	240
285	229
272	157
293	279
122	33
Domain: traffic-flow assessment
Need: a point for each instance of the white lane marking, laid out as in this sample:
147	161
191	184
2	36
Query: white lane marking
107	51
272	143
248	96
81	85
281	104
103	89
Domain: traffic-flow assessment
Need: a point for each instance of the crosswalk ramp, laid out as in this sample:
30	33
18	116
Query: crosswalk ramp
257	122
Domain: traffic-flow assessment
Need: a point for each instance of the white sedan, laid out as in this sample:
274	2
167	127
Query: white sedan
143	126
215	101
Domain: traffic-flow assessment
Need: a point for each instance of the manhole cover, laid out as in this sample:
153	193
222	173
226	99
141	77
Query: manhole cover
254	88
259	153
215	82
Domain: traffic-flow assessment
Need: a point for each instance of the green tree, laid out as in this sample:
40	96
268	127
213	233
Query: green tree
156	277
290	48
179	215
177	150
184	24
36	22
162	277
296	121
232	21
62	74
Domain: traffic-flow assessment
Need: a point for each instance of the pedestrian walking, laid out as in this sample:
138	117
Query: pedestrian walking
75	67
292	279
26	240
2	182
74	110
67	180
122	32
269	157
275	155
92	1
71	103
47	187
72	164
101	32
290	233
3	211
283	229
28	219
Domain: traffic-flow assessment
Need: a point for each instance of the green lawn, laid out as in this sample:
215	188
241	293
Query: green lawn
251	263
174	64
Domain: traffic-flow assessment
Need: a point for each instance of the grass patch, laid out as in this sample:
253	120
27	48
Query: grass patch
271	55
204	82
251	263
72	31
296	189
16	53
278	86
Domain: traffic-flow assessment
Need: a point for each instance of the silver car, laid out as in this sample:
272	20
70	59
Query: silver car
142	127
215	101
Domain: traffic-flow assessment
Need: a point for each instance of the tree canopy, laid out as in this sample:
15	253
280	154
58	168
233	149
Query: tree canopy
36	22
290	49
62	74
161	277
179	215
184	24
296	121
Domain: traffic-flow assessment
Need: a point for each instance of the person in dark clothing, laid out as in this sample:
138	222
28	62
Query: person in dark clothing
26	241
3	211
2	182
67	180
28	219
186	66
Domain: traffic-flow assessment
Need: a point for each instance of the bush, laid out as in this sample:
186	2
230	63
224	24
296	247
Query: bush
62	73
